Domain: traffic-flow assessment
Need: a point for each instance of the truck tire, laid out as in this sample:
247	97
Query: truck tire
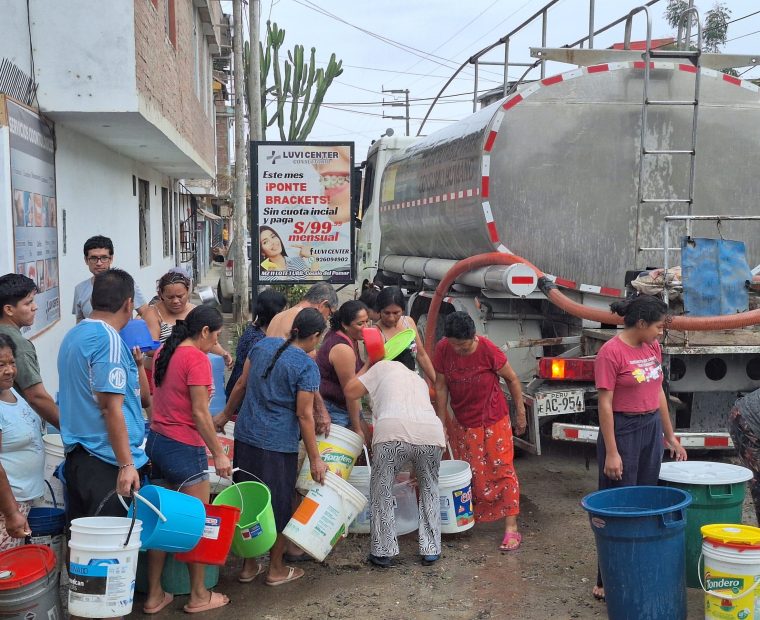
224	302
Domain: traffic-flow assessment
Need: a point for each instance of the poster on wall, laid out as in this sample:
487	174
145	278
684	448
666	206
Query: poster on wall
35	213
303	227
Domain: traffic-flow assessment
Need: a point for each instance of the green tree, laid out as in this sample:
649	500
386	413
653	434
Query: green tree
296	85
714	27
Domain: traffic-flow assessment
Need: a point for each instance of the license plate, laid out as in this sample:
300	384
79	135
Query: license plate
554	403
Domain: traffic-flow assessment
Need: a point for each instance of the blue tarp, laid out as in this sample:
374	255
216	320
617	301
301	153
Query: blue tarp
715	275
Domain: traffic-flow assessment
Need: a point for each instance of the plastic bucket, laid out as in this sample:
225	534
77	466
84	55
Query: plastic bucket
639	535
48	525
256	531
175	578
717	493
101	568
731	572
324	516
29	584
339	451
455	492
171	521
54	456
405	511
373	343
136	334
216	540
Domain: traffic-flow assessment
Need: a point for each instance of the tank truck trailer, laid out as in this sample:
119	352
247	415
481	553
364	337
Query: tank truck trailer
580	182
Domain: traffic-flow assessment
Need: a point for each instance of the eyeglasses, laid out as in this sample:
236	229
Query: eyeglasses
94	260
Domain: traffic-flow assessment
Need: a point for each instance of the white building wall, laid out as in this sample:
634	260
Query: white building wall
94	188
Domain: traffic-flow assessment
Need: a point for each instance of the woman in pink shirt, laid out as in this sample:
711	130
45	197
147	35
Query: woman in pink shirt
633	408
180	430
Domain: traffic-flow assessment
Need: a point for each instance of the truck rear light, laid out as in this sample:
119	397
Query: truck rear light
228	268
566	368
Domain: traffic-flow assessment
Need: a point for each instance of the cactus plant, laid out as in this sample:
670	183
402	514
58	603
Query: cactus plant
297	83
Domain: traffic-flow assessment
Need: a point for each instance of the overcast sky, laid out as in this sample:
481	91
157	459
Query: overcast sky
417	44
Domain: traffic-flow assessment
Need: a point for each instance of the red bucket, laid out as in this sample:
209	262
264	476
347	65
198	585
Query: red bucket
216	540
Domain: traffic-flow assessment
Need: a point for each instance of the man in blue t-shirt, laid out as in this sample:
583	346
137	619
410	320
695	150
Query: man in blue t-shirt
102	389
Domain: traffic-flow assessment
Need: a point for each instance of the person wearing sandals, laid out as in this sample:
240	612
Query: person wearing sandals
468	368
277	411
633	410
180	431
406	430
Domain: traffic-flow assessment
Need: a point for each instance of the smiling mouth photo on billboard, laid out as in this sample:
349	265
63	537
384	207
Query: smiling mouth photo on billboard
334	179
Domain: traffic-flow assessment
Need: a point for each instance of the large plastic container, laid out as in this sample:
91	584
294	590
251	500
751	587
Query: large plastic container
255	531
54	455
29	584
455	493
215	542
48	526
405	511
102	566
717	493
639	535
227	441
136	334
339	451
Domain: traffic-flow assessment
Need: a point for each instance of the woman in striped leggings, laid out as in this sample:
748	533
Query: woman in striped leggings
406	430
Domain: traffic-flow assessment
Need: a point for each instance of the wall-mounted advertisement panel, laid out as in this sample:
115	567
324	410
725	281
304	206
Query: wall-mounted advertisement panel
302	221
34	209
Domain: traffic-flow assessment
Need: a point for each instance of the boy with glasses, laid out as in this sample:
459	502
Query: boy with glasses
98	256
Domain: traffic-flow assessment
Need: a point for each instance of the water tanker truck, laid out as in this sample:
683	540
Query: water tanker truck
571	178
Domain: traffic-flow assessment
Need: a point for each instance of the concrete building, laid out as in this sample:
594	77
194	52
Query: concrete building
126	91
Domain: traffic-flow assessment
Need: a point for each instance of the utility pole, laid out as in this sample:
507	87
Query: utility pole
254	99
240	298
395	104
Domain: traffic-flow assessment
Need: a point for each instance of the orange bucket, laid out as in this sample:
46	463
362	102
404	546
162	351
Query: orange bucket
373	342
214	544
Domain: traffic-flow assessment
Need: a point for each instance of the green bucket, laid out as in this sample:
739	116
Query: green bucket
717	492
256	531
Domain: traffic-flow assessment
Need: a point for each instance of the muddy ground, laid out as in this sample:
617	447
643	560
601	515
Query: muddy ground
550	576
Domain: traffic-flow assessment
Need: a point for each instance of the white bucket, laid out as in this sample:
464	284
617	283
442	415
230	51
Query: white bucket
731	577
227	439
405	511
324	516
101	569
54	455
455	492
339	451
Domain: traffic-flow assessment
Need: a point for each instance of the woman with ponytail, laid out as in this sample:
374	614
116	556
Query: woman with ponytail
180	431
633	408
276	413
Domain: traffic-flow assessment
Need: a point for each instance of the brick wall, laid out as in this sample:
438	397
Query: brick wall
223	178
165	74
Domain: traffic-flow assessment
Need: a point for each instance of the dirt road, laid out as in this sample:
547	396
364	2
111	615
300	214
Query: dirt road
549	577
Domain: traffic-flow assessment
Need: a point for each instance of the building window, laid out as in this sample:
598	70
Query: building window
143	197
166	221
170	22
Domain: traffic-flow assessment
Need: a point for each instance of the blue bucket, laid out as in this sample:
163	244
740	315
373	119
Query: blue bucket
136	334
171	521
640	542
46	521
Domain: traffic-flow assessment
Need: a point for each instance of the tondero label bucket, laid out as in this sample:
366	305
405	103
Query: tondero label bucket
339	451
731	555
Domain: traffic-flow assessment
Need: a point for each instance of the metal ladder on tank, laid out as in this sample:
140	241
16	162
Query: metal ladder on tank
682	53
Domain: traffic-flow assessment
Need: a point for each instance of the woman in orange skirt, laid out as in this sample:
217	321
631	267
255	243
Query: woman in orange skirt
468	369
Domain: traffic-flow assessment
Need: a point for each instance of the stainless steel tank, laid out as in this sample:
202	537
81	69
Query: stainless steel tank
563	174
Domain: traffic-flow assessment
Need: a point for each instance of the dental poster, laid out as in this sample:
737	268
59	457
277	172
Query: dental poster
302	225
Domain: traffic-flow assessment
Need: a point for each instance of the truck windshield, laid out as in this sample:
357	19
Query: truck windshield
369	184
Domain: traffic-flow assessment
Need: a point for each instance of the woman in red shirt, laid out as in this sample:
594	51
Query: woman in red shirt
468	368
633	409
180	430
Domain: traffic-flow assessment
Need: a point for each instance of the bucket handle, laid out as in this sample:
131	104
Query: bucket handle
235	484
451	453
137	496
668	519
52	494
719	495
723	596
366	457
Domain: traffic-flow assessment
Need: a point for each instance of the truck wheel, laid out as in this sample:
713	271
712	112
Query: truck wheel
224	302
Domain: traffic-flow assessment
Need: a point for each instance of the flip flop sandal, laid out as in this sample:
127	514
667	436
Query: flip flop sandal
168	598
292	576
260	569
511	537
215	601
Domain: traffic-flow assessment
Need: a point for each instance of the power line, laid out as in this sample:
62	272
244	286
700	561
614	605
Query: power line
438	120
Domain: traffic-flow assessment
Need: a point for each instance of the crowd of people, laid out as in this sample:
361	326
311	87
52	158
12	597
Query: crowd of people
297	372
